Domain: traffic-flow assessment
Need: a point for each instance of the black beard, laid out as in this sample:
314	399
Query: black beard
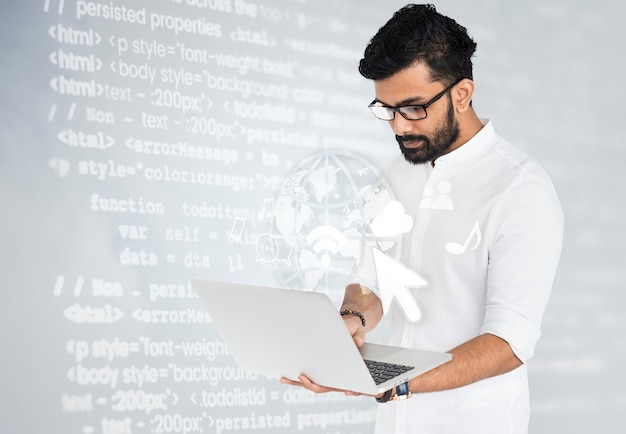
440	144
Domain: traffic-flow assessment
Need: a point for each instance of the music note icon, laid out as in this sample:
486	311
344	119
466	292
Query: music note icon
458	248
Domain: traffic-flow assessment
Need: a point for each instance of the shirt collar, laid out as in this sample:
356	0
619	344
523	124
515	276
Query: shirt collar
473	147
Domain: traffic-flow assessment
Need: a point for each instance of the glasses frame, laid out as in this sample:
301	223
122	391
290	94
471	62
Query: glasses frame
424	106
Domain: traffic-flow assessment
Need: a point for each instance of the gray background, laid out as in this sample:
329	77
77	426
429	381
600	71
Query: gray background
548	74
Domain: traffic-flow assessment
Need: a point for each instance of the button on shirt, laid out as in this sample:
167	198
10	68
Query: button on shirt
487	237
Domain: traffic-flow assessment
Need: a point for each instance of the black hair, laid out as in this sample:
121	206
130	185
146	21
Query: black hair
418	33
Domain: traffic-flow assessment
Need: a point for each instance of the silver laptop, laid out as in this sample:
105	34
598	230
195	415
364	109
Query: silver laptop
285	333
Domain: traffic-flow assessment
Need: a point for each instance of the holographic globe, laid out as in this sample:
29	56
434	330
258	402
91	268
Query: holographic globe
322	222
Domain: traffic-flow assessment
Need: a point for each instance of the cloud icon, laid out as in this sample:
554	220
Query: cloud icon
393	221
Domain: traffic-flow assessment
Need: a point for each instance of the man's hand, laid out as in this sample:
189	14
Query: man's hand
361	299
355	328
306	382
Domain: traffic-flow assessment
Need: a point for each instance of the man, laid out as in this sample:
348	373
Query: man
487	237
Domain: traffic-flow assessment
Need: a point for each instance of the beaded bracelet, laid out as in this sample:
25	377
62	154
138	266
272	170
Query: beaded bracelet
355	313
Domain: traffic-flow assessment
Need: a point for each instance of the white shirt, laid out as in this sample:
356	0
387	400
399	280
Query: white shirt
487	237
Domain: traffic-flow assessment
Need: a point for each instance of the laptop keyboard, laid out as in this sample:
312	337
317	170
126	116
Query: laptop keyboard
382	371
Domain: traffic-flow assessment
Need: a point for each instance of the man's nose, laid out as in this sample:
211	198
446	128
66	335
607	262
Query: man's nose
401	126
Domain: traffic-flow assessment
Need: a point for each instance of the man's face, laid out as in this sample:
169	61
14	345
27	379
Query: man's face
422	140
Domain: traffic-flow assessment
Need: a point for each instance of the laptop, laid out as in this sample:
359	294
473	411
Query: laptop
285	333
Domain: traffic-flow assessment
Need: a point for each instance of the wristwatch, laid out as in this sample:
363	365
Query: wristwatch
402	392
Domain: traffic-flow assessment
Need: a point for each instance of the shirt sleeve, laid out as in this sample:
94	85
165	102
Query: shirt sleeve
522	263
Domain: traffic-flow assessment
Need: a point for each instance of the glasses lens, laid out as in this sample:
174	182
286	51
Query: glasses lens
412	112
382	112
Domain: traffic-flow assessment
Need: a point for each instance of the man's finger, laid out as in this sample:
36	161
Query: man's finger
284	380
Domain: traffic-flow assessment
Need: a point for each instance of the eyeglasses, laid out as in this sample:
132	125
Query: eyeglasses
409	112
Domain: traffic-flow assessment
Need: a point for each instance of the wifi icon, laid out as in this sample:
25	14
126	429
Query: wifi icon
326	239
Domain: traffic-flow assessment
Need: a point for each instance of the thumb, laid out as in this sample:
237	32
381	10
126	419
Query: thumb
359	337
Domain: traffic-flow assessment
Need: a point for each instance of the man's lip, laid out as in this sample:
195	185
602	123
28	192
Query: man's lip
411	144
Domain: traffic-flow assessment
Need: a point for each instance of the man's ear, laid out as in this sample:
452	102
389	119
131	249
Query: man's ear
462	94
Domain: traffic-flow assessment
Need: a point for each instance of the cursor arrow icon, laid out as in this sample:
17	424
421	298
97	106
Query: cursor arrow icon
394	280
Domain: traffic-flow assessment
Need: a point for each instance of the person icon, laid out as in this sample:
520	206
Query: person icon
442	201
